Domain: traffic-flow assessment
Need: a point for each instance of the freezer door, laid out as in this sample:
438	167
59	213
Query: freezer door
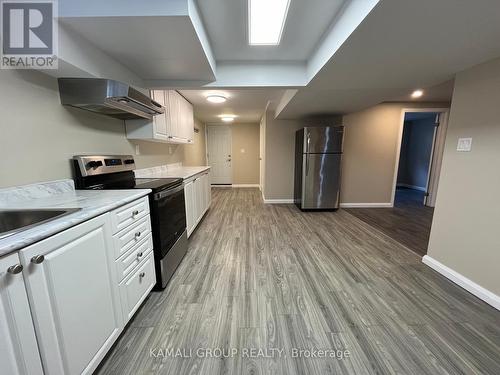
323	139
320	181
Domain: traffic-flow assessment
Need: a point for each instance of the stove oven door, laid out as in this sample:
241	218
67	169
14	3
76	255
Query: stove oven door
168	215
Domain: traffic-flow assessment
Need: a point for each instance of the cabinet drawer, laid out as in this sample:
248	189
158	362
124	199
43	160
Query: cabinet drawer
129	214
135	289
133	257
131	236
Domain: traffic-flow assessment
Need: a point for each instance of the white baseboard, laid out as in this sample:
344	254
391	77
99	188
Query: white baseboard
469	285
366	205
278	201
414	187
245	185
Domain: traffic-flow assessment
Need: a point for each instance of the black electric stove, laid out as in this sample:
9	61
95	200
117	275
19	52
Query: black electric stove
167	205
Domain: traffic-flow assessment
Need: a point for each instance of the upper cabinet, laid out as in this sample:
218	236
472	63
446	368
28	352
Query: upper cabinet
176	125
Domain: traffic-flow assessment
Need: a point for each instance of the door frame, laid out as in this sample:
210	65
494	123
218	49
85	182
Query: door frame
207	128
436	153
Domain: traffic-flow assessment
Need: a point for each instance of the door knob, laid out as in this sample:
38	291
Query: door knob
37	259
15	269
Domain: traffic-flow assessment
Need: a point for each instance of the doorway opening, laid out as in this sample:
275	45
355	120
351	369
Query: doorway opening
418	138
418	164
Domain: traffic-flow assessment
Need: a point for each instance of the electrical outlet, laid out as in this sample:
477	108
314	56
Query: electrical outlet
464	144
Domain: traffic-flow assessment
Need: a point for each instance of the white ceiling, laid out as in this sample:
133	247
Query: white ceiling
338	63
152	47
247	104
400	46
227	28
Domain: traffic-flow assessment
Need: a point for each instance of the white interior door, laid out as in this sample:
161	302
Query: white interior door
219	154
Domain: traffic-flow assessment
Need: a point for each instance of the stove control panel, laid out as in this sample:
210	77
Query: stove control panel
91	165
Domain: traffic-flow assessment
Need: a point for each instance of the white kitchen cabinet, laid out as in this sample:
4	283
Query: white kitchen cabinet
189	202
74	296
160	122
18	346
176	125
197	192
137	286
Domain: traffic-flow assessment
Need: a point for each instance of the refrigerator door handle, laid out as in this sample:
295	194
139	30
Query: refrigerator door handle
308	142
307	164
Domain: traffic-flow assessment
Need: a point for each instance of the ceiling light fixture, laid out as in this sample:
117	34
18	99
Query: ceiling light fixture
266	20
417	94
217	99
227	118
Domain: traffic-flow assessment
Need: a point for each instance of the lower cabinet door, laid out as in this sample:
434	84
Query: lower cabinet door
74	296
198	194
18	346
137	286
189	202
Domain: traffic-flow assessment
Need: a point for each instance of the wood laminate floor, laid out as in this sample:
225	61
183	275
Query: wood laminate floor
269	276
408	222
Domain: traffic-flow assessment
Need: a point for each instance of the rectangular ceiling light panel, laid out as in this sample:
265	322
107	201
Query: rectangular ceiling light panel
266	19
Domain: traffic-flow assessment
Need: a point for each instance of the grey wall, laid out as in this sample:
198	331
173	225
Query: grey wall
245	153
416	148
464	234
38	136
279	156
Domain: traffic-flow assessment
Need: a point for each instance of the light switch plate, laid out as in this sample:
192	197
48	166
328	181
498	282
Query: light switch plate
464	144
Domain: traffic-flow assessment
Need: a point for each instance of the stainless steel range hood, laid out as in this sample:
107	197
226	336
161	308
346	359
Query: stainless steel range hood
107	97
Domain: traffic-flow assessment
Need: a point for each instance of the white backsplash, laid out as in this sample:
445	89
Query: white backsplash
147	172
36	191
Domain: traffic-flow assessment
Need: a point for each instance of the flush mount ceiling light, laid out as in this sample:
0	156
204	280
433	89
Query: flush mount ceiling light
417	94
227	118
266	20
217	99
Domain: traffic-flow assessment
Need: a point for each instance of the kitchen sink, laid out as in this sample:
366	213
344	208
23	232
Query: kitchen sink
14	221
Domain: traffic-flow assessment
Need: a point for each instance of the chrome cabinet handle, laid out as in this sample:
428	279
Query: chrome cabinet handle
142	274
139	255
135	213
138	234
308	141
15	269
37	259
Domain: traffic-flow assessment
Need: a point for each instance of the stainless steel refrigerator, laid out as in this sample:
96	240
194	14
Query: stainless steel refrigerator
318	154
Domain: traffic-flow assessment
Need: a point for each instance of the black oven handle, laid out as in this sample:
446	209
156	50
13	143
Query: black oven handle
167	193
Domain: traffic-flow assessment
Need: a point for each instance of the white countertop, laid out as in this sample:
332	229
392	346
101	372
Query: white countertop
171	171
92	203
